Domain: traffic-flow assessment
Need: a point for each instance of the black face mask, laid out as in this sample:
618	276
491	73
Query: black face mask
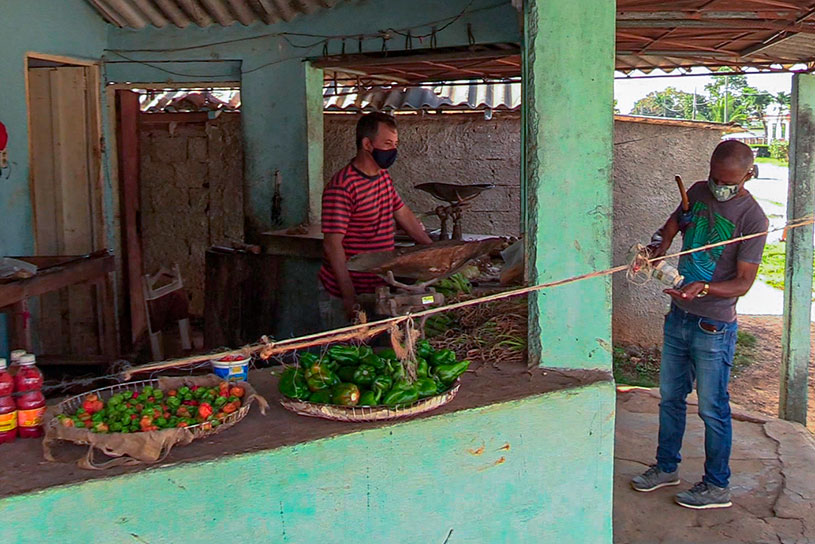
384	157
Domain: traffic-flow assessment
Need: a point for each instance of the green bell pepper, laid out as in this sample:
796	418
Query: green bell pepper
364	351
397	370
426	387
375	361
443	357
321	379
388	354
346	394
422	368
293	384
364	375
344	355
321	397
307	359
346	373
368	398
401	396
447	374
424	349
381	384
401	385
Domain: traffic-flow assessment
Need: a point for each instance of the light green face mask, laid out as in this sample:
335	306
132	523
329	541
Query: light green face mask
723	193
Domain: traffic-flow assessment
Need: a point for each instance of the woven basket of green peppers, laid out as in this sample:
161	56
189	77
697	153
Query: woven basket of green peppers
354	383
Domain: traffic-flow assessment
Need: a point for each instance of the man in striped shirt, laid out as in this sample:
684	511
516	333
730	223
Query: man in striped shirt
360	205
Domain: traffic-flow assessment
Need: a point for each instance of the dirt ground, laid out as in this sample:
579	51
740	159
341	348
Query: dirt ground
756	386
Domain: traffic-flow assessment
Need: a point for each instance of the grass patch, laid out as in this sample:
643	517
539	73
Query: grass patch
770	160
635	366
771	270
745	351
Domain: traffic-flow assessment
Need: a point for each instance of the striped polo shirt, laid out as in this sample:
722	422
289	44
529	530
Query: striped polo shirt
361	208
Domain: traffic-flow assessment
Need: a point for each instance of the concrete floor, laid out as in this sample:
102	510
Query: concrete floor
773	482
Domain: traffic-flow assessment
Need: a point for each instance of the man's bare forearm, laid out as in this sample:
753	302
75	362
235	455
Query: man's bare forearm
411	225
336	258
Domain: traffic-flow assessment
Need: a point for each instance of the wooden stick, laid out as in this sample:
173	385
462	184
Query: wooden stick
685	201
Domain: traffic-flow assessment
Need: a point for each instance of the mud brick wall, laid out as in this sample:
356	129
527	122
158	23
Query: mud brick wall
191	194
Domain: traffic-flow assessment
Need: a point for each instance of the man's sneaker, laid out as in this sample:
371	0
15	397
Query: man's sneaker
703	496
653	478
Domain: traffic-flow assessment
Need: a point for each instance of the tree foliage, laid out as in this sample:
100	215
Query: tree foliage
727	99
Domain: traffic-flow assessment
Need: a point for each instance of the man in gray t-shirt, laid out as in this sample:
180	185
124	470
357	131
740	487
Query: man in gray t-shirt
700	330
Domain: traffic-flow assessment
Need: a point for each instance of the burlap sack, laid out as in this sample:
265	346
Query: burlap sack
139	448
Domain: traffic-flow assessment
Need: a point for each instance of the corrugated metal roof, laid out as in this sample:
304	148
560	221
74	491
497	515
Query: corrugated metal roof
454	95
139	14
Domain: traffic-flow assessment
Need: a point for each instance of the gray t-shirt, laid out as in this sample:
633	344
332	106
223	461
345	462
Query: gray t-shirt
708	222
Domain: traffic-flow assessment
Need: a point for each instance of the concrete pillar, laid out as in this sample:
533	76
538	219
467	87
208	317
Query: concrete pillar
795	342
314	124
568	112
281	133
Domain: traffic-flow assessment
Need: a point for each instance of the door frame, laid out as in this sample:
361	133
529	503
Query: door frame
107	317
100	235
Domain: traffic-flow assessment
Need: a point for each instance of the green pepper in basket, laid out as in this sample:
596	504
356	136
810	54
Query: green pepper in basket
443	357
321	397
447	374
344	355
388	354
368	398
292	384
364	375
375	361
381	385
346	394
346	373
426	387
364	351
401	396
307	359
320	378
424	349
397	370
422	368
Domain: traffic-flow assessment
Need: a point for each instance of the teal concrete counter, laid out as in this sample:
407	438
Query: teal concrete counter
500	464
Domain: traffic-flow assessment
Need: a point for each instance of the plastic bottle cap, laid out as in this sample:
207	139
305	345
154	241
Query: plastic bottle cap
28	359
17	354
2	364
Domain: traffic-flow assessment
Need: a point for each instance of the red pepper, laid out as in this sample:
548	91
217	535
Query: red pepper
205	410
135	395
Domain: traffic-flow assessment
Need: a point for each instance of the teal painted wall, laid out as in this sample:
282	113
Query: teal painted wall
545	475
57	27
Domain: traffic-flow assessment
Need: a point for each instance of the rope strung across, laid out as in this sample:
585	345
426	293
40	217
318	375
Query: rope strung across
363	331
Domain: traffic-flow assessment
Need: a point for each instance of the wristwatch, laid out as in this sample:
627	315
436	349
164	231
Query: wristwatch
704	291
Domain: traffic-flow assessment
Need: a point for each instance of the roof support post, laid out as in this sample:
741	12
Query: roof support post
568	118
798	276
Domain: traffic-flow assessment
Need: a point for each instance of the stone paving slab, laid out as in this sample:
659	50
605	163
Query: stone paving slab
773	482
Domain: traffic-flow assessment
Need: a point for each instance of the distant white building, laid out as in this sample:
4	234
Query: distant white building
777	119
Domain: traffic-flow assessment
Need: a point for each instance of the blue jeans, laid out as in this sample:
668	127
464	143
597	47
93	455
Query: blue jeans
700	349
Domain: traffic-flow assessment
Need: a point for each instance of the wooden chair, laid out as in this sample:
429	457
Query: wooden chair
165	301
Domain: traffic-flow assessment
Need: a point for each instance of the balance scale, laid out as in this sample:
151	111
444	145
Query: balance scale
425	265
457	198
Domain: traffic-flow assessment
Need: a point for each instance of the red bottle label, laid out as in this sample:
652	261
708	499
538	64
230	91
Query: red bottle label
8	422
30	418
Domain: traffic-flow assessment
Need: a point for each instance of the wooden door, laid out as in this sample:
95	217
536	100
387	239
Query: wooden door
65	189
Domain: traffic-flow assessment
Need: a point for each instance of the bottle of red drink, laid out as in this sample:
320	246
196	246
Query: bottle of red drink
14	360
30	400
8	408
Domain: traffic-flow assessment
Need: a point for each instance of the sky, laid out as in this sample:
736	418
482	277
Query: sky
628	91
